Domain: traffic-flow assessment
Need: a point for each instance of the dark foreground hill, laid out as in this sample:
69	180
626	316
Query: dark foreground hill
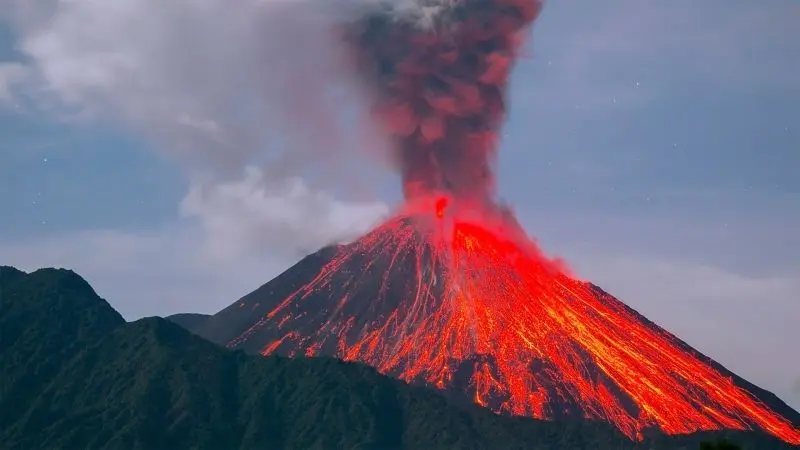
73	374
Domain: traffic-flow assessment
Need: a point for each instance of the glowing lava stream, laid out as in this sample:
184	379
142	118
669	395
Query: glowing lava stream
482	297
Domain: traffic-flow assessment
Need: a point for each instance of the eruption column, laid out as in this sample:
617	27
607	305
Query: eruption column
439	74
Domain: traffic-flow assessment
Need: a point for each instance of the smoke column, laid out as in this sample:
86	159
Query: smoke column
438	73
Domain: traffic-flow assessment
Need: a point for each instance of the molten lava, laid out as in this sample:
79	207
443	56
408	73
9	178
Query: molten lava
535	341
451	292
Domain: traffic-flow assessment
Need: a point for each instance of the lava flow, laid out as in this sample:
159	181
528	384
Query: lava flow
450	303
450	292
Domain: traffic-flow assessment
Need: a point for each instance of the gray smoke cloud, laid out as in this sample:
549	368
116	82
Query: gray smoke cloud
439	74
253	98
212	82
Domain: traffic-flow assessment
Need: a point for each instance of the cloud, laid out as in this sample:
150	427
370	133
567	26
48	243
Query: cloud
258	213
207	81
254	100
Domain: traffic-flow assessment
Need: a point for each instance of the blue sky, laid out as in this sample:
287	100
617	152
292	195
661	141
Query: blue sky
655	145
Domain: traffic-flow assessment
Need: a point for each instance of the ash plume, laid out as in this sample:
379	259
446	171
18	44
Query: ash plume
437	72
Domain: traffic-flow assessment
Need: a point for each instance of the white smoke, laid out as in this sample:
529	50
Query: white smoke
227	88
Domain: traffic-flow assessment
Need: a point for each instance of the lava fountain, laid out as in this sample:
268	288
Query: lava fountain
450	292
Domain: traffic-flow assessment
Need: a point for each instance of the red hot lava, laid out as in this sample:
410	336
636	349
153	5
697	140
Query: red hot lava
534	339
453	285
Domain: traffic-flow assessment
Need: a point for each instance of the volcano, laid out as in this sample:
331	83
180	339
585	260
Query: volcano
450	292
458	306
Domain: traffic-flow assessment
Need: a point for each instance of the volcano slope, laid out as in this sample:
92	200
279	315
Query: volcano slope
483	320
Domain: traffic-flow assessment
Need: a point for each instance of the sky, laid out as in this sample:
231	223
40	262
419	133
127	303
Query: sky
180	154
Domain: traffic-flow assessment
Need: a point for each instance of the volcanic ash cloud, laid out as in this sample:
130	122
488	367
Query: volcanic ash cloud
437	73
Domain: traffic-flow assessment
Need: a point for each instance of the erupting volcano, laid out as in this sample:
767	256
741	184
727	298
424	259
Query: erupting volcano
450	292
